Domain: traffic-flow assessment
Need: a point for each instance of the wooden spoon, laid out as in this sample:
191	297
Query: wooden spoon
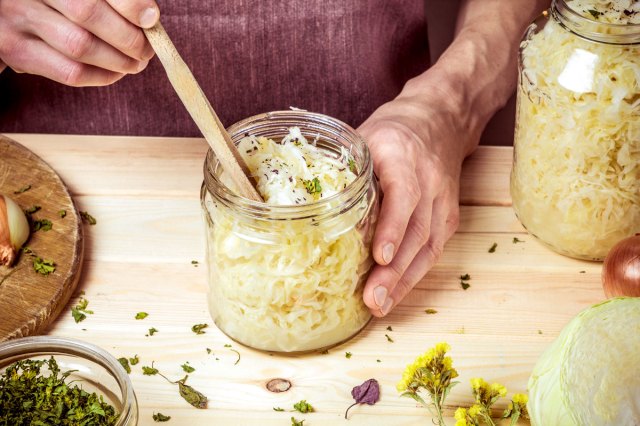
201	111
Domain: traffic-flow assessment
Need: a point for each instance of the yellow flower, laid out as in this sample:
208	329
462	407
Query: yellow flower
497	390
474	411
460	414
478	385
520	399
442	347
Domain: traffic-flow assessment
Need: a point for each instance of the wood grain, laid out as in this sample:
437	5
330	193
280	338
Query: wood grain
144	193
29	301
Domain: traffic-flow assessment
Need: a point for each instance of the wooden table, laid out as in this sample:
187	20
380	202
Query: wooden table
144	193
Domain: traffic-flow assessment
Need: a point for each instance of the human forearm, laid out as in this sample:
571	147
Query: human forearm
477	74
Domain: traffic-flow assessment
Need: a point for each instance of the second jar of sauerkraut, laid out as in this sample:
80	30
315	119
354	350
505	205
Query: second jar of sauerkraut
575	181
287	275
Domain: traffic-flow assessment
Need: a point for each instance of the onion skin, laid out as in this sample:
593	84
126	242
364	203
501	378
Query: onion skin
621	269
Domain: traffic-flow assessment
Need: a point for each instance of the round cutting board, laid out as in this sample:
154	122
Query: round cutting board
30	301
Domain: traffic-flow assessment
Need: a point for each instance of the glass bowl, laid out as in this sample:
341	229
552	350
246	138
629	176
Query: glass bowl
95	370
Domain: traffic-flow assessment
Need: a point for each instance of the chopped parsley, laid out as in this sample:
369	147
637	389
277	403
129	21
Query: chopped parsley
348	355
199	328
159	417
187	368
430	311
88	218
312	186
141	315
303	407
492	249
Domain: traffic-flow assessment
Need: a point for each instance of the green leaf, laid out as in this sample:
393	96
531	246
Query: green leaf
191	395
124	362
303	407
199	328
149	371
159	417
141	315
86	217
43	266
187	368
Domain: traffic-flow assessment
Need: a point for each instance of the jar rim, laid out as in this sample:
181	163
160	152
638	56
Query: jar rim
591	29
52	345
306	121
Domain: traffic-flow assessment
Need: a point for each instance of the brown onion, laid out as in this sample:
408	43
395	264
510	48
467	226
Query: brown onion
621	269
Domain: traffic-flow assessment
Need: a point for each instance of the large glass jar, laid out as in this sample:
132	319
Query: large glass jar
289	278
575	181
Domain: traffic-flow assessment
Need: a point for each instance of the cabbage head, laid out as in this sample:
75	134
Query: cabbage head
590	375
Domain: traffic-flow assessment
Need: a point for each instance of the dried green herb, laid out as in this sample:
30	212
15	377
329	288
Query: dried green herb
194	262
31	210
209	351
295	422
191	395
325	352
312	186
124	362
303	407
41	225
187	368
233	350
86	217
151	332
28	397
141	315
389	339
62	213
135	360
199	328
517	240
493	248
348	355
159	417
23	189
43	266
80	311
352	166
464	281
430	311
278	409
389	328
149	371
594	13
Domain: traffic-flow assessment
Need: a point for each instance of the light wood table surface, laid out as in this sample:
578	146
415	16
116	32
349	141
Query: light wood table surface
144	193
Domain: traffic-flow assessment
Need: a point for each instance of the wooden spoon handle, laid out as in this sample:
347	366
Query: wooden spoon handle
201	111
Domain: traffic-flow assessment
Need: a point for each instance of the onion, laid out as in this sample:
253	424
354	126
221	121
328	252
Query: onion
621	269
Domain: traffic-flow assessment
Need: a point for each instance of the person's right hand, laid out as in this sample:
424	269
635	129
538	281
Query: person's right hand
76	42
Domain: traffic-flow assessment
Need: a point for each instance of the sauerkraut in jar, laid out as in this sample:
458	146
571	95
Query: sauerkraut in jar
575	181
287	275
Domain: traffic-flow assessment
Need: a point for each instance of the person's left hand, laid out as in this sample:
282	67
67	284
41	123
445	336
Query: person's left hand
418	144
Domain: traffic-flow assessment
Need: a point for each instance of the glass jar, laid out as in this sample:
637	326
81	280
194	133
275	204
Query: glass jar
289	278
90	367
575	181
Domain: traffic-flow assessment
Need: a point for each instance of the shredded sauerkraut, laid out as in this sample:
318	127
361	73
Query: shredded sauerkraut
576	177
290	285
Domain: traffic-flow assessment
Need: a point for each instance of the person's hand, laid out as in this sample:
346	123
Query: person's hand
76	42
418	144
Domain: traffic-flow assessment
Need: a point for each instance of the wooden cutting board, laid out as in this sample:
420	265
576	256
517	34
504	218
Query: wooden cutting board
30	301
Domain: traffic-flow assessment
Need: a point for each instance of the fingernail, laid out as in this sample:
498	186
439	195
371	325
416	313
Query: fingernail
387	253
149	17
386	308
142	65
380	295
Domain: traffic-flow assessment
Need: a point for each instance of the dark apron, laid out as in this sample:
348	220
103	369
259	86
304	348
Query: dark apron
343	58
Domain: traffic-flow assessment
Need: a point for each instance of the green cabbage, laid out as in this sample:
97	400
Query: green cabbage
590	375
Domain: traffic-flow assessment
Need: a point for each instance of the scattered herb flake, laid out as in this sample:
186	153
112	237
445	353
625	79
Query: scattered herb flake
80	311
430	311
233	350
325	352
594	13
199	328
582	272
348	355
141	315
366	393
159	417
43	266
377	360
464	281
295	422
187	368
312	186
493	247
31	210
135	360
389	339
41	225
23	189
194	262
149	371
389	328
191	395
124	362
303	407
465	285
62	213
465	277
209	351
352	166
539	331
152	331
278	409
88	218
517	240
